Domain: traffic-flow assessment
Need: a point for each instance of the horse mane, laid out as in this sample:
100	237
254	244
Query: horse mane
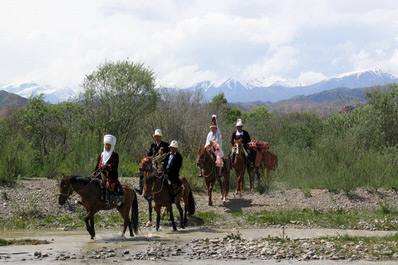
149	178
81	180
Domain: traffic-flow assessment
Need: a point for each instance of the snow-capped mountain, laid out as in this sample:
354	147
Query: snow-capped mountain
357	79
271	88
51	94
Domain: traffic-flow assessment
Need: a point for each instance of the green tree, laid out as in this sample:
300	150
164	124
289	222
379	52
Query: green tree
384	116
220	99
117	95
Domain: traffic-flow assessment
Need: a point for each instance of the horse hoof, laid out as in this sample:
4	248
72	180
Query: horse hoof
148	224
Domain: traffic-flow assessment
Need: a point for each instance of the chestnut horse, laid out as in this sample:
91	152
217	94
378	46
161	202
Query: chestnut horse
155	187
90	191
205	160
267	162
239	164
145	169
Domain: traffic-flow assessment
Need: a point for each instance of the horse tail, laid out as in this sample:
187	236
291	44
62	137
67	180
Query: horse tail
191	203
134	213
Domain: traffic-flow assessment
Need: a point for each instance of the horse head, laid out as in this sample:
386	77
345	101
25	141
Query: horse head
149	183
201	155
146	164
237	147
65	189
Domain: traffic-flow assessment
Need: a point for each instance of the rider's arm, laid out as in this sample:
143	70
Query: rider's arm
113	165
232	138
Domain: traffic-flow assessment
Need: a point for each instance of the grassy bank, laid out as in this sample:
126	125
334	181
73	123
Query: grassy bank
368	219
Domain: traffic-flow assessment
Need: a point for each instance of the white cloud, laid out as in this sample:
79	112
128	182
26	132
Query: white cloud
394	58
278	63
185	76
59	42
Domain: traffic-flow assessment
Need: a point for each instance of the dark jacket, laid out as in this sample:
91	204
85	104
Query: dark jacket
174	170
111	166
246	138
155	148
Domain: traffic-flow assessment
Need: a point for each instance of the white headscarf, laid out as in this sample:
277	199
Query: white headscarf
108	139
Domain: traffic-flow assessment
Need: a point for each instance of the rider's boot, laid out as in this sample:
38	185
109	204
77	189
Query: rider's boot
106	197
141	185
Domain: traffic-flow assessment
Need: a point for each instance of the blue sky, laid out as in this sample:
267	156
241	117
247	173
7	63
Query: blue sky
184	42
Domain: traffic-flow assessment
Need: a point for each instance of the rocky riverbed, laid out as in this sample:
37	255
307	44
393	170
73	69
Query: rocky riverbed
206	245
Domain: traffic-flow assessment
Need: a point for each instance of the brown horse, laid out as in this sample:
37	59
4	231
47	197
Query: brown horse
90	191
239	164
155	186
206	162
267	162
145	169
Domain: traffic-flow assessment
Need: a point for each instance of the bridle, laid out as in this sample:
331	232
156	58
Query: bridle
161	187
200	161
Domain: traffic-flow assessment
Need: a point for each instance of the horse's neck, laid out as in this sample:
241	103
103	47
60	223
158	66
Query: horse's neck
160	187
79	188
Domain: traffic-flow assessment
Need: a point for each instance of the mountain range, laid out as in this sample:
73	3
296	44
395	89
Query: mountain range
265	89
51	94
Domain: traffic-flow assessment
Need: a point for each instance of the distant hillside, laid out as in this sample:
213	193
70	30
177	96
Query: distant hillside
341	93
10	100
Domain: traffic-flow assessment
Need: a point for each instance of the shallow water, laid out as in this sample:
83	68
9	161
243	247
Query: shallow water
78	242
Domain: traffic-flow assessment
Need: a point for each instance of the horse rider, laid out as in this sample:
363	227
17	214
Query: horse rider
107	165
244	136
173	163
158	147
214	140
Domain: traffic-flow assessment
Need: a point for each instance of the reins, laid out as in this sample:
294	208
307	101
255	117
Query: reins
161	187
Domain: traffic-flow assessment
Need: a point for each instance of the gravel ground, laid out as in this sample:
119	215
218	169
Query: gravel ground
43	193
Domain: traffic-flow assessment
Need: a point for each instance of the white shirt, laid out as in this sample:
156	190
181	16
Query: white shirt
171	157
216	138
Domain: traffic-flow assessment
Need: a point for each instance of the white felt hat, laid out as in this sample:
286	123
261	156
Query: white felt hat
158	132
239	123
174	144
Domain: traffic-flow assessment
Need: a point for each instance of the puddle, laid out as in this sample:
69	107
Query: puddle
77	243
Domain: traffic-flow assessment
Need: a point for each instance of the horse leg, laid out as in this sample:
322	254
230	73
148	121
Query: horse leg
237	191
126	219
251	179
210	203
88	227
92	227
186	210
258	176
149	223
178	205
157	210
170	209
221	187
